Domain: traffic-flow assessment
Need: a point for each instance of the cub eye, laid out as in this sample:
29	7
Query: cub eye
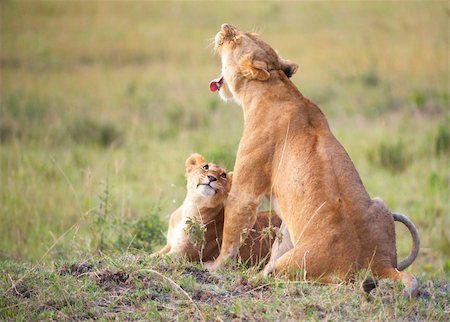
223	175
205	167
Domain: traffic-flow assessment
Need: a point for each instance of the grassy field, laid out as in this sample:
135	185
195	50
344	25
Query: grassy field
101	103
136	287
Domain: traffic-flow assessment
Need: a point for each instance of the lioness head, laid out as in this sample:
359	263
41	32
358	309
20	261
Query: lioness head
207	183
245	56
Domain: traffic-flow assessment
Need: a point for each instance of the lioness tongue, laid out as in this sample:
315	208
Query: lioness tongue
215	84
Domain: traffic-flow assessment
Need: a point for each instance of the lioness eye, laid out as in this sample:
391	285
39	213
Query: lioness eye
223	175
205	167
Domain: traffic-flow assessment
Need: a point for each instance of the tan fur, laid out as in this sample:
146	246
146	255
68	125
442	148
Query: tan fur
206	205
287	152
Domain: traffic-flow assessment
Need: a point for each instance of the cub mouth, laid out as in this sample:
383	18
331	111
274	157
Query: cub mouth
208	185
216	84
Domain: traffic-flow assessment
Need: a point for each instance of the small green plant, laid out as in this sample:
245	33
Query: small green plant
102	214
144	232
244	235
446	266
21	117
195	230
442	142
8	130
168	132
175	115
213	104
392	157
147	231
271	232
88	131
370	78
113	232
418	98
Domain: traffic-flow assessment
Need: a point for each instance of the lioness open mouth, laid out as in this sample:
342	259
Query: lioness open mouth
216	84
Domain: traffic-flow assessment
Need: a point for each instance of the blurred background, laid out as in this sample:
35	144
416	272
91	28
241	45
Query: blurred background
102	102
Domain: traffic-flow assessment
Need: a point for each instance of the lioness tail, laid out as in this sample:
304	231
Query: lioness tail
415	237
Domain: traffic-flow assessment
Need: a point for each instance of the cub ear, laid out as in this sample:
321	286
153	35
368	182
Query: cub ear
254	69
288	67
229	179
194	160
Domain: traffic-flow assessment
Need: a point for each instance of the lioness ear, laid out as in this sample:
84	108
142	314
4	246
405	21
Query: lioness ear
288	67
229	179
254	69
192	161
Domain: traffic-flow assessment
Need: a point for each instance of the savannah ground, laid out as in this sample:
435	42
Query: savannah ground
101	103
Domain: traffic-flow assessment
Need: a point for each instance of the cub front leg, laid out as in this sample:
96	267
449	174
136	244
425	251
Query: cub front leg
164	250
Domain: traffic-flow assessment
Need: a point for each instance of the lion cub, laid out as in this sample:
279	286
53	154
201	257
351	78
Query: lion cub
207	188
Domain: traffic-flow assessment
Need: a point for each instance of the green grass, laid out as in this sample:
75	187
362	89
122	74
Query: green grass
137	287
111	98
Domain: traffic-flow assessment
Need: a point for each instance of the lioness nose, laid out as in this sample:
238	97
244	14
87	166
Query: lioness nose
211	178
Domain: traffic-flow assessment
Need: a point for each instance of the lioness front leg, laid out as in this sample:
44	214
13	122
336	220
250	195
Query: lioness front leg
240	214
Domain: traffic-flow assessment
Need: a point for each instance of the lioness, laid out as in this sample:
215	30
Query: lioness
207	188
284	243
288	153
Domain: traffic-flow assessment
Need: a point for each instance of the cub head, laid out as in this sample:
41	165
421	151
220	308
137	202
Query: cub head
207	183
245	56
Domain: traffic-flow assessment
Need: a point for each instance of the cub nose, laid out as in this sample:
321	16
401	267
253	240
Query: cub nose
211	178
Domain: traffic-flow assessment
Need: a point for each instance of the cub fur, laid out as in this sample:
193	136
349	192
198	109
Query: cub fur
207	188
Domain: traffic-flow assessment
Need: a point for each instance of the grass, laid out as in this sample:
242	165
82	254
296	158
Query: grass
138	287
108	99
